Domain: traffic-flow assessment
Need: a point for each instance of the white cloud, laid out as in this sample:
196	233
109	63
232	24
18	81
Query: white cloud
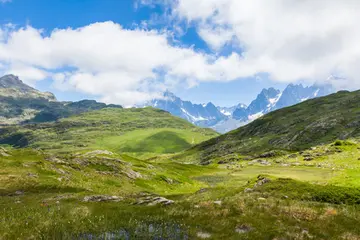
106	60
27	73
5	1
289	39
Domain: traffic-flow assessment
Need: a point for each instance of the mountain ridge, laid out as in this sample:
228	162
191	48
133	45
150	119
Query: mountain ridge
313	122
225	119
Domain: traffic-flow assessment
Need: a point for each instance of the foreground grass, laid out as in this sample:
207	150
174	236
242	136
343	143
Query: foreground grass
42	197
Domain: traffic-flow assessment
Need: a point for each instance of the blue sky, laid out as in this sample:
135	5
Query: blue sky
212	55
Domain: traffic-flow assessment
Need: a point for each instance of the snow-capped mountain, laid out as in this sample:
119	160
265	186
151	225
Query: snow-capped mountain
228	111
204	115
224	119
271	99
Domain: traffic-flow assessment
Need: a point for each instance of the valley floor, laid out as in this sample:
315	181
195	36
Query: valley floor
314	194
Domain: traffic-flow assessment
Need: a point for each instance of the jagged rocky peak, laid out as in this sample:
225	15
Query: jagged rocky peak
12	86
12	81
270	92
227	118
168	94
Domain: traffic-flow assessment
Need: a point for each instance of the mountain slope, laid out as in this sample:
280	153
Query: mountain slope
135	131
298	127
20	103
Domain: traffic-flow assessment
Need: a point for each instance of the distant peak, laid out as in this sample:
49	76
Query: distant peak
210	104
270	92
10	77
12	81
167	93
292	85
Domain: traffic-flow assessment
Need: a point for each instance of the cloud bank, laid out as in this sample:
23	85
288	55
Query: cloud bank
119	65
289	40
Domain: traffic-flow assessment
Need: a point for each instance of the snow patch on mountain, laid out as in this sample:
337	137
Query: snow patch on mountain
224	119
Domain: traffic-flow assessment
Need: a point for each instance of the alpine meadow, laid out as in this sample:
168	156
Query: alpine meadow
179	119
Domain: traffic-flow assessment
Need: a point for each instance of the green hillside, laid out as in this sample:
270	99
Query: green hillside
120	174
139	132
313	122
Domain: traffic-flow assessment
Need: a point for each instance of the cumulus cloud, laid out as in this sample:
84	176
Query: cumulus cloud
288	39
104	59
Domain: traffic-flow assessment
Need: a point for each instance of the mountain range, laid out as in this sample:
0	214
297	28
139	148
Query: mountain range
20	103
157	176
224	119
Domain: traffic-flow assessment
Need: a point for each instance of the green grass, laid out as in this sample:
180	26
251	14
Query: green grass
151	142
299	127
317	204
142	133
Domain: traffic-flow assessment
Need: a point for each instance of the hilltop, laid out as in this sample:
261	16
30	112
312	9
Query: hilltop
139	131
310	123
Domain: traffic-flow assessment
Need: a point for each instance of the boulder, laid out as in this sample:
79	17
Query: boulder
203	235
154	200
268	155
132	174
261	181
102	198
243	229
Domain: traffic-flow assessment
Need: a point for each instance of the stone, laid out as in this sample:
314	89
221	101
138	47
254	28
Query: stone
268	155
98	152
33	175
202	190
308	158
243	229
218	203
203	235
261	181
264	162
154	200
102	198
248	190
132	174
55	160
160	200
4	153
261	199
292	156
18	193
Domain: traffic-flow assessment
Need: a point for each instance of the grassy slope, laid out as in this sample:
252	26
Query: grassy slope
319	203
138	132
316	199
298	127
